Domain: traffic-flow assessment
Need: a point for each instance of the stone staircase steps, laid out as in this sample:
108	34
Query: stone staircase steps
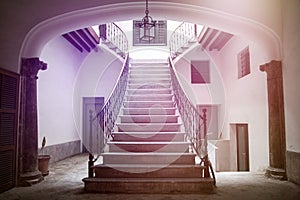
148	91
149	76
147	146
149	111
152	80
148	127
149	85
148	104
139	71
148	152
148	136
149	97
149	118
150	185
148	158
148	171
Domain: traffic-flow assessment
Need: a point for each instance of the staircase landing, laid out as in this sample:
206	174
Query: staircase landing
148	152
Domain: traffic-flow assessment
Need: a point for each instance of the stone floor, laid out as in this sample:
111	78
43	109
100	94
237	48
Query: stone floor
64	182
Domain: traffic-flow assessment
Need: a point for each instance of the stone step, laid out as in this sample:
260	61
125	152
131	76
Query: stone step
148	136
148	127
149	80
149	85
140	70
149	76
149	111
148	158
149	97
148	104
149	118
148	171
149	146
148	91
150	185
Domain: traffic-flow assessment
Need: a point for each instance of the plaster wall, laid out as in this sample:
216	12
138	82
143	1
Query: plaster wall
55	89
291	71
246	98
96	77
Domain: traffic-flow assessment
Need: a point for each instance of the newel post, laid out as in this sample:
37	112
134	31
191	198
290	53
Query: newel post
28	124
205	158
277	143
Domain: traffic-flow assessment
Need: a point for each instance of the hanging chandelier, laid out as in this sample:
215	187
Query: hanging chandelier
147	27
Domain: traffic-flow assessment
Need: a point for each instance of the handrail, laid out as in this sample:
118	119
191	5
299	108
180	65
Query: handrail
182	35
114	34
107	116
195	124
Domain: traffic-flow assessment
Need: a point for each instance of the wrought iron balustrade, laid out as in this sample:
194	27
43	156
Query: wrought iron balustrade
113	34
181	37
194	123
103	122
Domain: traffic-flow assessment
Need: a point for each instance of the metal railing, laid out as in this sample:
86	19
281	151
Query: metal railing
181	37
103	122
195	124
113	34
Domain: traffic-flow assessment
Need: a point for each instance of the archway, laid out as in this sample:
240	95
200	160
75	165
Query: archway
251	30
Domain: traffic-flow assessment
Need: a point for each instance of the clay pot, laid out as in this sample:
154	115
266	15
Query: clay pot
43	164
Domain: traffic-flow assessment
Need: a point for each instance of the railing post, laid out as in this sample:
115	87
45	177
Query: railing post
90	165
195	31
102	30
101	136
205	158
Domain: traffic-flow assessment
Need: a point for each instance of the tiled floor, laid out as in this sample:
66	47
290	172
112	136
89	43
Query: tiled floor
64	182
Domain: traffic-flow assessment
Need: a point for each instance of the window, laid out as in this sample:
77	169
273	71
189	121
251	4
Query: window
200	72
243	62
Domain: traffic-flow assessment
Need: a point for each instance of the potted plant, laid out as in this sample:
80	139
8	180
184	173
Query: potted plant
43	160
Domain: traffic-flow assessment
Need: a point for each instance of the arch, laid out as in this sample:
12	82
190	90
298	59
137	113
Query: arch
249	29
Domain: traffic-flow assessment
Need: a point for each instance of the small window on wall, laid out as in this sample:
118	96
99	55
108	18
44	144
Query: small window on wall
243	62
200	72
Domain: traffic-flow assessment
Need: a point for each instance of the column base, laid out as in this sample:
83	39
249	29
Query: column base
276	173
30	178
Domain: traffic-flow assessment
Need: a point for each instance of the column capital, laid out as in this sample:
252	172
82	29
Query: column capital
273	69
31	66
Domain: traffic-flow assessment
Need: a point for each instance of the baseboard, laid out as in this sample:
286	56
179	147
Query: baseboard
293	166
61	151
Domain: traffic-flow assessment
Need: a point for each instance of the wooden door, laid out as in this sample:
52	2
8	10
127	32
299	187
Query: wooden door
91	132
242	147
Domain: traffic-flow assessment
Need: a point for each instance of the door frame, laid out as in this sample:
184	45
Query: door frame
246	142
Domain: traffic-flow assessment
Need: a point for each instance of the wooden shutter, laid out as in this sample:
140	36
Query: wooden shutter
9	91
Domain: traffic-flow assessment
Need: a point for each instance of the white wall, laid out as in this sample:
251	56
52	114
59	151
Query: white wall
70	76
246	98
291	72
211	93
96	77
55	89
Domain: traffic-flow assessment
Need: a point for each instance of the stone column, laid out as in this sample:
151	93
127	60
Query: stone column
28	144
277	144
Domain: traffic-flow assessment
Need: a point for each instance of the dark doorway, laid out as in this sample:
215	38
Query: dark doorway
242	147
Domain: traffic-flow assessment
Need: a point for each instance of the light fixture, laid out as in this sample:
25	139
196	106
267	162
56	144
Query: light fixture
147	27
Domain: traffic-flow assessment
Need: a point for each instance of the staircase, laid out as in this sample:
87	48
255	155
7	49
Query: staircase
148	152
